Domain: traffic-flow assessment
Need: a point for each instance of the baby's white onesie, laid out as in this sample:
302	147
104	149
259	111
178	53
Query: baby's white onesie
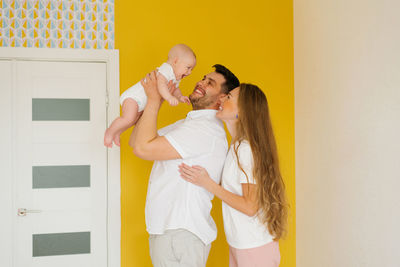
137	93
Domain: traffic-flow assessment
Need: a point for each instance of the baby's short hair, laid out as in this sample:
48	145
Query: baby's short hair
180	50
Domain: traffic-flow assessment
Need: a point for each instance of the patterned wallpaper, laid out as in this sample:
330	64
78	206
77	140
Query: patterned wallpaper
57	23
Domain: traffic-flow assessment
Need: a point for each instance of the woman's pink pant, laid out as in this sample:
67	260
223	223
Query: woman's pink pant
267	255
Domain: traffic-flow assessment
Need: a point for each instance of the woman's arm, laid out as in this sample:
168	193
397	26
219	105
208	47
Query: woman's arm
246	204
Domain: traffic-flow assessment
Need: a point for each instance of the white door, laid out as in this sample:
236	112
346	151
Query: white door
59	165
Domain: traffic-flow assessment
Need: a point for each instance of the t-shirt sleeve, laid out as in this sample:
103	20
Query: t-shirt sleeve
166	71
189	141
163	131
247	164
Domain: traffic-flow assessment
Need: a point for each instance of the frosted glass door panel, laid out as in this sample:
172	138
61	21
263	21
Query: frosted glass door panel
60	176
58	109
60	244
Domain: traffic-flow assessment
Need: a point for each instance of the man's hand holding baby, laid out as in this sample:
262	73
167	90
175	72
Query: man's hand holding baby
149	84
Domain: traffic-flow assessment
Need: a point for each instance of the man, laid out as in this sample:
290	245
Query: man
177	212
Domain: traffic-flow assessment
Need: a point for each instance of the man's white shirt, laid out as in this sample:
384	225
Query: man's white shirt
173	203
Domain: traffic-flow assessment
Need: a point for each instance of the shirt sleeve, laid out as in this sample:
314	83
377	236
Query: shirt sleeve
167	71
190	141
163	131
246	162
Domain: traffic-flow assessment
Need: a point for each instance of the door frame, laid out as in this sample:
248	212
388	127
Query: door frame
111	58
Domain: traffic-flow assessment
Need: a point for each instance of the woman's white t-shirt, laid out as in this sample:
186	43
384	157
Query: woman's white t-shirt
241	231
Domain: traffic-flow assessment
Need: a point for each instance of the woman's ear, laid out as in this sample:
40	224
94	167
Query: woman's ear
219	100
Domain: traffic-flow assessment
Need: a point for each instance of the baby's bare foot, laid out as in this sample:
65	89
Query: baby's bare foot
108	138
116	140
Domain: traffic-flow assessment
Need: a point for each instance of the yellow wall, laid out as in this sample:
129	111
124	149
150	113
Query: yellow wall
252	38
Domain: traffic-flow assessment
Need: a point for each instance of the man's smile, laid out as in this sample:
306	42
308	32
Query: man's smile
199	91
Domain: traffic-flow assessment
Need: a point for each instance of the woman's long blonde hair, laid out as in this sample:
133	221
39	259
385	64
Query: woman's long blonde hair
254	125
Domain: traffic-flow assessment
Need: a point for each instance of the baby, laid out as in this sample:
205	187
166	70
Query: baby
180	63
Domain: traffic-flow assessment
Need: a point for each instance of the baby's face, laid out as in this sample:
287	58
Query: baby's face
184	67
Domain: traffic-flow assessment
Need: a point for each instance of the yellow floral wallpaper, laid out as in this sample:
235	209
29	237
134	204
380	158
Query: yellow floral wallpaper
57	23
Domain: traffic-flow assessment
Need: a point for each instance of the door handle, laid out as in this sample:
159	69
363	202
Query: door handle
23	211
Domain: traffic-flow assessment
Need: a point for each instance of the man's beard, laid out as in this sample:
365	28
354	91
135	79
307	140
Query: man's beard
202	102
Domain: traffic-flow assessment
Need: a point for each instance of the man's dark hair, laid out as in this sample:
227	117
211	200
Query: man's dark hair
231	81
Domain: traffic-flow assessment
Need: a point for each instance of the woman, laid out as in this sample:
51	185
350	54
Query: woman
252	190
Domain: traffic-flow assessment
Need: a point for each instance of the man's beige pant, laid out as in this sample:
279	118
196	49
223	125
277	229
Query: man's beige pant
178	248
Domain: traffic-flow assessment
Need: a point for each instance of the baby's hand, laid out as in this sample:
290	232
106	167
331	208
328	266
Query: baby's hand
184	99
173	101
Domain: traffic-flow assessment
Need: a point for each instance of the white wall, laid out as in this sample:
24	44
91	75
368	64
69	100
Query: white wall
347	104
